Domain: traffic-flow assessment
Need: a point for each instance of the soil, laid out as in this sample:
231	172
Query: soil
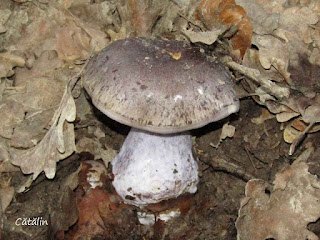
44	44
209	214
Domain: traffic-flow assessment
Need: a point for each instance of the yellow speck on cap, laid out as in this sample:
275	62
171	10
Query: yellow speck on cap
175	55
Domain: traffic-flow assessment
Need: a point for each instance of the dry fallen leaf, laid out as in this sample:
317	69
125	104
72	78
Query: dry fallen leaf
273	53
94	147
144	14
227	131
286	116
11	114
90	222
207	37
52	28
300	125
282	36
290	134
6	196
9	60
217	14
264	22
57	144
312	113
285	212
265	115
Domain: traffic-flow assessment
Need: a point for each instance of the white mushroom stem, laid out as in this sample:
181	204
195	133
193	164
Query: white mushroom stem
153	167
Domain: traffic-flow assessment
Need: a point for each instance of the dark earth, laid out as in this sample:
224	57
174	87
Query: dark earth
209	214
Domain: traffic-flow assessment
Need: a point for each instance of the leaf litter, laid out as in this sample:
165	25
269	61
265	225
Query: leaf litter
285	211
272	49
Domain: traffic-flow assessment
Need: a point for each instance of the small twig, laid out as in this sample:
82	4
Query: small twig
17	89
75	79
223	165
265	130
255	75
249	156
314	27
302	135
190	21
239	78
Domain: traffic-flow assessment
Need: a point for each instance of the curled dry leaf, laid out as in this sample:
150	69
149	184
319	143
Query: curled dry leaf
252	59
9	60
207	37
276	108
227	131
286	116
285	213
220	14
290	134
57	144
273	52
265	115
300	125
312	113
296	130
44	66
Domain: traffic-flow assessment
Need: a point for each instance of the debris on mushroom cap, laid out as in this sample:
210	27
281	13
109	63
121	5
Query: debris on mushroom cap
159	86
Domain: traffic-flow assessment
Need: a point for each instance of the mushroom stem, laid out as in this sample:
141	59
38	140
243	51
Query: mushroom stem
153	167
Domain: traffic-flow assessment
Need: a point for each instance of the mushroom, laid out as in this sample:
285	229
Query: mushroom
161	89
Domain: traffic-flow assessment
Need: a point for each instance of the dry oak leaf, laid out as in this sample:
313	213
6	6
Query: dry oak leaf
8	61
273	53
285	213
143	15
263	21
265	115
300	125
286	116
90	222
207	37
219	13
6	196
57	144
290	134
4	16
11	114
32	29
227	131
72	42
93	146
